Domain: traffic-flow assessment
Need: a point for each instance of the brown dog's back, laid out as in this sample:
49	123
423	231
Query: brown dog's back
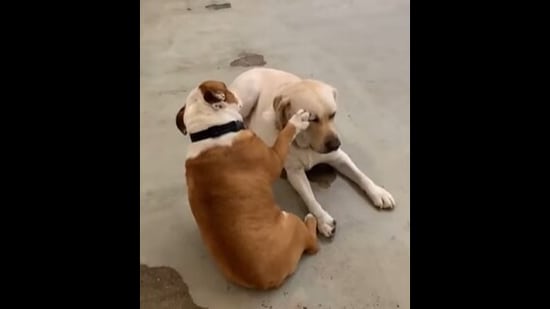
254	243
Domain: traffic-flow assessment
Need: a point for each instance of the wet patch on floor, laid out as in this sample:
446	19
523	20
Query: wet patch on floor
218	6
322	174
163	288
248	60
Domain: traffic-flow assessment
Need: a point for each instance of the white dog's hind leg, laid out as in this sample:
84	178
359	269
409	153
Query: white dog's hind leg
248	88
298	179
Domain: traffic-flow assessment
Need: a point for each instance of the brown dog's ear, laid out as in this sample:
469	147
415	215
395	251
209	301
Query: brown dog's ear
281	104
179	121
215	91
213	96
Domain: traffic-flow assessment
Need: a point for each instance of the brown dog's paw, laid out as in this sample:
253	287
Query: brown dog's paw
300	120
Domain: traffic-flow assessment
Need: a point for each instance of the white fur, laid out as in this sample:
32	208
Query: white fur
258	87
197	148
300	121
200	115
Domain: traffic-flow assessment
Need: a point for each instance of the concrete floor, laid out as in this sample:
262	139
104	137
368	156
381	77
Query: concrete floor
362	48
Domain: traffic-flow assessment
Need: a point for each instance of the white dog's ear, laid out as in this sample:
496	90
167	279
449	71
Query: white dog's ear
280	101
281	105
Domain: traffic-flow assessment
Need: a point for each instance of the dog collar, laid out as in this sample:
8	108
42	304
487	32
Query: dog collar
215	131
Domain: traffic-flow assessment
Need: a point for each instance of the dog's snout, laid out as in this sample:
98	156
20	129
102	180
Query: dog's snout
332	144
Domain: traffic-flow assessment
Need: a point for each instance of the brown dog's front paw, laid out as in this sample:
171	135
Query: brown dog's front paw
300	120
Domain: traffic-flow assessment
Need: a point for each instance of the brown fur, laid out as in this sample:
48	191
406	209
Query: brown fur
212	92
281	106
253	242
179	121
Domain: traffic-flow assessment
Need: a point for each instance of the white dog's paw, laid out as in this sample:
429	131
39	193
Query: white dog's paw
326	225
300	120
380	197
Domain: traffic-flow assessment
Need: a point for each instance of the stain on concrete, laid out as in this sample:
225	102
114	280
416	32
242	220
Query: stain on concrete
163	288
219	6
248	60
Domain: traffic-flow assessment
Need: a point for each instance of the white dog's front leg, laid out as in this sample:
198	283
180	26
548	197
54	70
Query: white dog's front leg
343	163
298	179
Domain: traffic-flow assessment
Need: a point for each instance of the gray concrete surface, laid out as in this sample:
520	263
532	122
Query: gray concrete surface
360	47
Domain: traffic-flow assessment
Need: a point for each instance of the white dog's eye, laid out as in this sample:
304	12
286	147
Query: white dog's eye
332	115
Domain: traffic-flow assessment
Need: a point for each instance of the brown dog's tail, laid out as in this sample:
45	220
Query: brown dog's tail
179	121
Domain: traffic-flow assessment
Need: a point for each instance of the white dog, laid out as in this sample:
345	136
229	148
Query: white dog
270	97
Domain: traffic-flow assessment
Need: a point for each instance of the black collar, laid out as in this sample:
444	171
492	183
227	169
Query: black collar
215	131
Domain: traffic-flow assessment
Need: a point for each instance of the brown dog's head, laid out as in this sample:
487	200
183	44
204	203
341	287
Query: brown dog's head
208	98
319	99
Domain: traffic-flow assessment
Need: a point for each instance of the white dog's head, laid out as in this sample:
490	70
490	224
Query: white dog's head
209	104
319	99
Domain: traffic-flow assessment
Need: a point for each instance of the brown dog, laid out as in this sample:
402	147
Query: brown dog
229	174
